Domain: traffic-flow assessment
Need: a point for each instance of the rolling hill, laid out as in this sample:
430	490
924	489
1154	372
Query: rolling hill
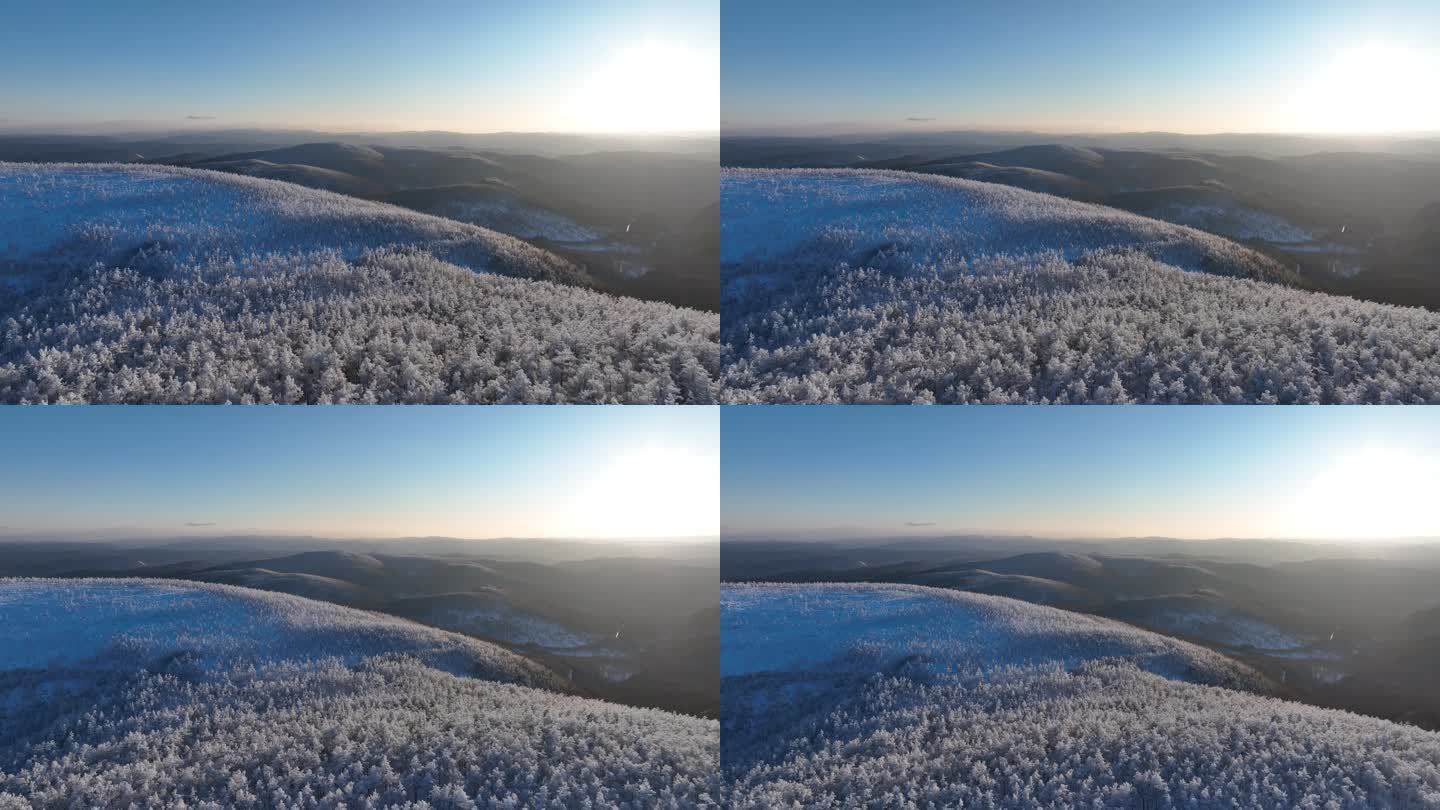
645	649
162	693
1349	222
883	695
882	286
634	220
155	284
1341	627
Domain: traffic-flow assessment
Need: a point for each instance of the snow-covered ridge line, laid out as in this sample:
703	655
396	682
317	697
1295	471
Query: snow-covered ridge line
280	191
867	628
121	623
201	214
928	219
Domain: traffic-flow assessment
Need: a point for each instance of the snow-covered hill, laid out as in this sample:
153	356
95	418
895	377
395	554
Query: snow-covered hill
159	692
894	696
882	286
105	625
869	628
148	284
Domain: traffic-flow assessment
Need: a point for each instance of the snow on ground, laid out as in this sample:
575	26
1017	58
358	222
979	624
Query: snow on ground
867	628
1224	627
507	214
61	214
107	624
1323	247
154	693
504	623
156	284
899	696
865	286
1235	221
817	217
1309	653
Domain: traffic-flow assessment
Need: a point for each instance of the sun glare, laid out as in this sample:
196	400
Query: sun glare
1373	492
652	491
653	87
1373	88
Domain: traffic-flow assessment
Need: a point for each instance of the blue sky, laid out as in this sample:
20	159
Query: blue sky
602	472
536	65
873	471
1115	65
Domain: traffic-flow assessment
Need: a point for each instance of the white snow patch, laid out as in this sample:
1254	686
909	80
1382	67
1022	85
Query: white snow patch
1225	627
503	623
1236	222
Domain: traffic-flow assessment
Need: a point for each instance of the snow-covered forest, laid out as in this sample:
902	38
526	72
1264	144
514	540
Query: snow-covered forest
152	693
904	696
870	286
149	284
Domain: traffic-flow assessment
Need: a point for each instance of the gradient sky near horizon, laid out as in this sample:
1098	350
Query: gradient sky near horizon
1299	66
619	472
1330	473
507	65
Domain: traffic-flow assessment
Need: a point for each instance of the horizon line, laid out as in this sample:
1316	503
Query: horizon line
803	536
59	129
801	131
10	535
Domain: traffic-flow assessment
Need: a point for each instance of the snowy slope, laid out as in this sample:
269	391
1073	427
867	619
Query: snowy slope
60	214
498	208
881	286
816	217
120	624
906	696
865	628
142	284
159	692
491	616
1206	619
1235	221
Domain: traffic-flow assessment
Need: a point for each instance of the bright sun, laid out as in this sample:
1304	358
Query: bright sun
1373	492
652	491
652	87
1373	88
